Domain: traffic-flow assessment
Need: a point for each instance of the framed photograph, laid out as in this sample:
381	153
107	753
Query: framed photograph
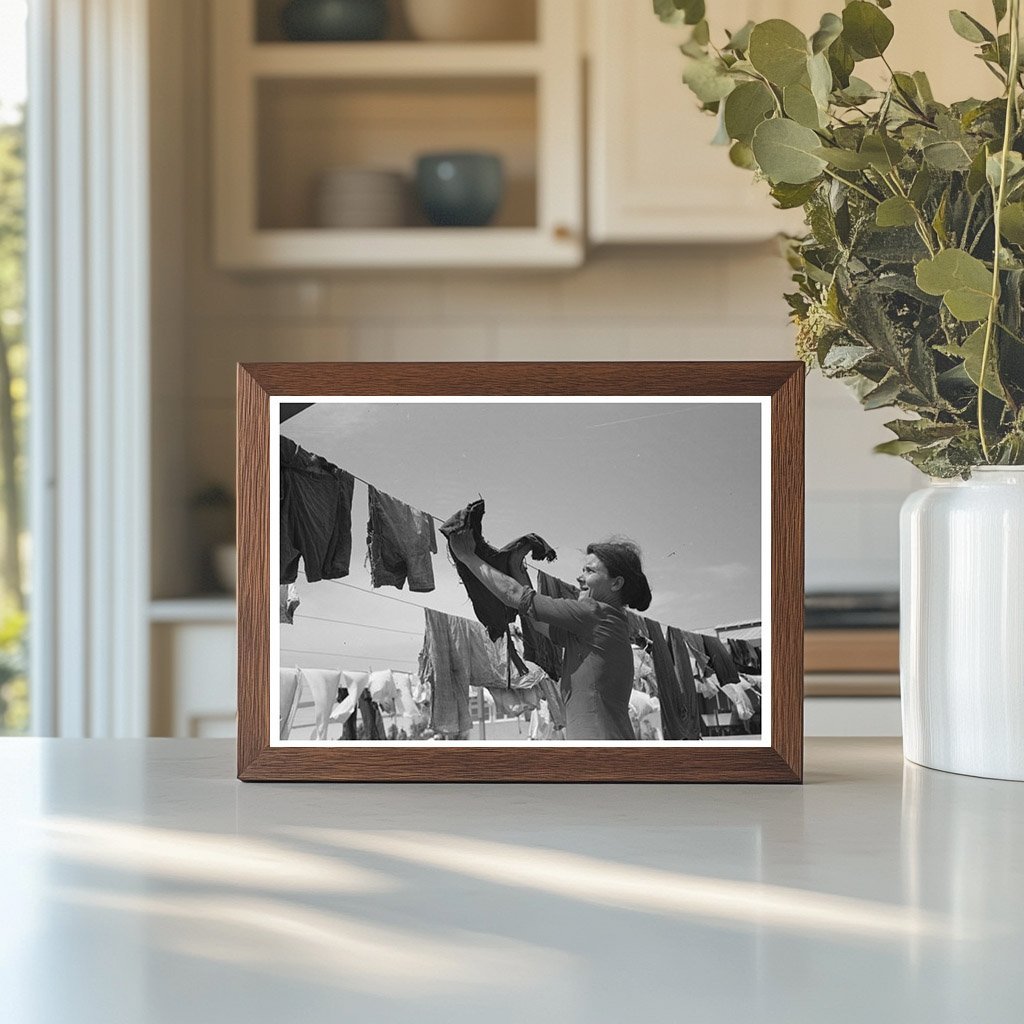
519	572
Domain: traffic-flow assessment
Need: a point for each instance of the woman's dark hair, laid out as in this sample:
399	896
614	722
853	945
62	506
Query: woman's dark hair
622	558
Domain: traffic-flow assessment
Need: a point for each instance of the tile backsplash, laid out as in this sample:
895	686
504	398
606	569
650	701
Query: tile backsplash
717	302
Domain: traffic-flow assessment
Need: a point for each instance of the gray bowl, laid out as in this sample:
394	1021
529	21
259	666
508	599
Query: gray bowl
460	189
334	20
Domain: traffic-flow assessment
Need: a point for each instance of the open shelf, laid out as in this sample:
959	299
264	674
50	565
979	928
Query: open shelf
286	114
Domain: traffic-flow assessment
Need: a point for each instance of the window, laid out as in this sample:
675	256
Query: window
14	703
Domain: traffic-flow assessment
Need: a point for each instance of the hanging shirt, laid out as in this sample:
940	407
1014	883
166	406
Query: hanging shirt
597	673
645	716
491	611
681	660
316	516
674	722
721	660
544	650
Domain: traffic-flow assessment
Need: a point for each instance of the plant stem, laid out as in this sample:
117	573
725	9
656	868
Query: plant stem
993	309
855	187
922	225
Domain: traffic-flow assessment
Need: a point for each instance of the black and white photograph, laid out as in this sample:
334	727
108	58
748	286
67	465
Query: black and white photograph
514	571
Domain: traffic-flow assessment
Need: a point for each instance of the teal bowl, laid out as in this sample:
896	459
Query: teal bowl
461	190
333	21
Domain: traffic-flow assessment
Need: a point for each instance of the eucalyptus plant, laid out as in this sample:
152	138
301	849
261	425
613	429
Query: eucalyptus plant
910	278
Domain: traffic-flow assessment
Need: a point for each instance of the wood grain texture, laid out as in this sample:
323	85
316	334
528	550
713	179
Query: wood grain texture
438	762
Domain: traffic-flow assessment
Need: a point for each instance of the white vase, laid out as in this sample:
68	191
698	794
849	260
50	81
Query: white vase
962	624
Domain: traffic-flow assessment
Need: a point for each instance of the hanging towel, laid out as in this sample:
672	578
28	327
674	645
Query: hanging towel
673	715
740	701
316	515
645	716
684	670
489	610
401	540
323	687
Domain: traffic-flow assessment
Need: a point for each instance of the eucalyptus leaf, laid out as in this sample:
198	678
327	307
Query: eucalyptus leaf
895	212
741	155
971	352
829	30
963	281
800	105
895	447
789	197
675	12
866	29
779	51
999	7
883	153
994	168
841	60
785	152
969	28
739	41
947	156
745	108
924	88
707	80
701	33
820	76
1011	225
884	395
976	173
844	159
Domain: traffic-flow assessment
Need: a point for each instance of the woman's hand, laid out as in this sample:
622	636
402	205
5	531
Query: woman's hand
462	545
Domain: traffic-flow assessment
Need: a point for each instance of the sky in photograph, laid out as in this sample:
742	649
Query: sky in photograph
681	480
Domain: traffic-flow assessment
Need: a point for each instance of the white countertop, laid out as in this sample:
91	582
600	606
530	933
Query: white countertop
143	884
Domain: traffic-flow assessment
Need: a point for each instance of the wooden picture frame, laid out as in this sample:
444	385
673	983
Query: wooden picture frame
780	388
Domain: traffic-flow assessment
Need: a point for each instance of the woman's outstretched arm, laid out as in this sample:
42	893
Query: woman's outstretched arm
504	588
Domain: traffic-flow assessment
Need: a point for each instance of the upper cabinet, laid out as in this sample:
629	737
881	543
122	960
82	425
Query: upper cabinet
318	144
653	174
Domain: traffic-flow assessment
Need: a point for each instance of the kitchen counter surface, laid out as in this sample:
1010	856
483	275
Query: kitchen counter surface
142	883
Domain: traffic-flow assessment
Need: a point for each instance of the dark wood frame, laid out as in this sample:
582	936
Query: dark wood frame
781	762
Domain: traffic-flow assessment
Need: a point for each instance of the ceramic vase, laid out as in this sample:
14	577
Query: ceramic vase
962	624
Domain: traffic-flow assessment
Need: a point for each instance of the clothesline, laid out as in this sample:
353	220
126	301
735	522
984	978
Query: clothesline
361	625
412	604
347	654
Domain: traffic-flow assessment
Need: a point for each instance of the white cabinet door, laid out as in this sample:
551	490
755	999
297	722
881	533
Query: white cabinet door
653	174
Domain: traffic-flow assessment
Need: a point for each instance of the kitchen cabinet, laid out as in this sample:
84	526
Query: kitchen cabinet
286	113
653	175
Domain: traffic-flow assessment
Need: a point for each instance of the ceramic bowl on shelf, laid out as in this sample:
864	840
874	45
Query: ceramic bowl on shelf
460	189
361	198
470	20
334	20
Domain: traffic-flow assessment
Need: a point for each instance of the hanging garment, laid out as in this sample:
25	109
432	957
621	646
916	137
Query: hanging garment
352	686
323	686
540	649
406	705
644	679
289	597
637	625
745	656
645	716
316	516
289	684
401	540
383	690
674	725
721	662
489	610
695	644
597	672
542	725
740	701
373	721
552	697
444	666
681	659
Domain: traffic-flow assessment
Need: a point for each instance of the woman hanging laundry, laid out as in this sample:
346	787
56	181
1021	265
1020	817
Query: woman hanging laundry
597	673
